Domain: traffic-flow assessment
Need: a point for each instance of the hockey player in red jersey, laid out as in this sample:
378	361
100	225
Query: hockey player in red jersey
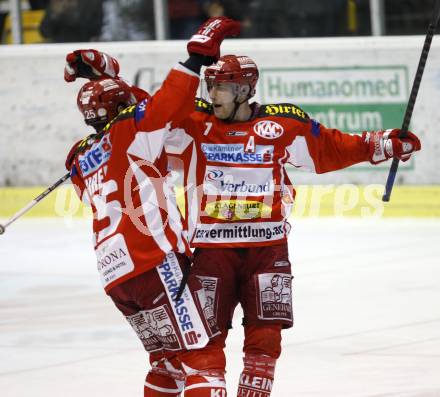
121	170
238	198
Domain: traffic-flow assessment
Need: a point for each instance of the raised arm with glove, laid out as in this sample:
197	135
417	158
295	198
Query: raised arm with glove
203	48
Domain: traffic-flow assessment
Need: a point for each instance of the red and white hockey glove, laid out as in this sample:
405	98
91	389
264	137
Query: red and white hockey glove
90	64
94	65
210	35
386	144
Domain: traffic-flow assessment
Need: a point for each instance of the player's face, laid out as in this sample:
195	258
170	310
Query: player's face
222	96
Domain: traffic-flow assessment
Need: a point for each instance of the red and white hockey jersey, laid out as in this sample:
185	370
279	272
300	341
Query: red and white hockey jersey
238	193
122	173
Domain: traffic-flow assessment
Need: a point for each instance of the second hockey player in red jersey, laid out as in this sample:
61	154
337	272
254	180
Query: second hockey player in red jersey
121	170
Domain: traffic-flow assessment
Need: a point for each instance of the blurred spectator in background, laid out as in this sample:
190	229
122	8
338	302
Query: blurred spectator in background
238	10
3	13
69	21
407	16
184	17
38	4
216	8
126	20
295	18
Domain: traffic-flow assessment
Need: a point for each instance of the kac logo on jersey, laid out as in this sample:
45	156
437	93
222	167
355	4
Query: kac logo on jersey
268	129
96	156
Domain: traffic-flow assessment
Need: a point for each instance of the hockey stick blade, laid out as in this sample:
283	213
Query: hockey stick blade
413	96
36	200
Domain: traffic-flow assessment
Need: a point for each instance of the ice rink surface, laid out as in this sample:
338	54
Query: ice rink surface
366	302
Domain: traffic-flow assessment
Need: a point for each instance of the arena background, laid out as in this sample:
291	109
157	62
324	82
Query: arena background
353	84
366	287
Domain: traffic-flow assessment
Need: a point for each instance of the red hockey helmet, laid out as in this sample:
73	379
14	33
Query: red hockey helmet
233	69
101	100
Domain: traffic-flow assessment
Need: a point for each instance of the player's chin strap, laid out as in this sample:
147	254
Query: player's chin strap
237	104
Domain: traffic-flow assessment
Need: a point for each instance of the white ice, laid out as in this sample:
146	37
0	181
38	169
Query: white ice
366	298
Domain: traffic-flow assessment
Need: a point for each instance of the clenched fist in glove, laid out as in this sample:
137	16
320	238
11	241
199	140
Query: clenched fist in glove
90	64
386	144
210	35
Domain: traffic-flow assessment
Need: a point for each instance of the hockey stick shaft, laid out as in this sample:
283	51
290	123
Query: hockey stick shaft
36	200
412	98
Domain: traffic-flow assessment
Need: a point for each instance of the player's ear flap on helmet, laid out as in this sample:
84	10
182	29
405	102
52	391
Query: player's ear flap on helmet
245	90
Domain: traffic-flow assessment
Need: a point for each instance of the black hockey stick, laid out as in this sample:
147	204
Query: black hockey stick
33	202
185	275
413	96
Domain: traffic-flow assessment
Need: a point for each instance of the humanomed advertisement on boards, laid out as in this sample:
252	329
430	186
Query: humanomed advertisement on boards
351	99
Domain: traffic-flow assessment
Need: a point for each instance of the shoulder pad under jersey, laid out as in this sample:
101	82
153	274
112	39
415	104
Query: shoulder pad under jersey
203	106
127	113
283	110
